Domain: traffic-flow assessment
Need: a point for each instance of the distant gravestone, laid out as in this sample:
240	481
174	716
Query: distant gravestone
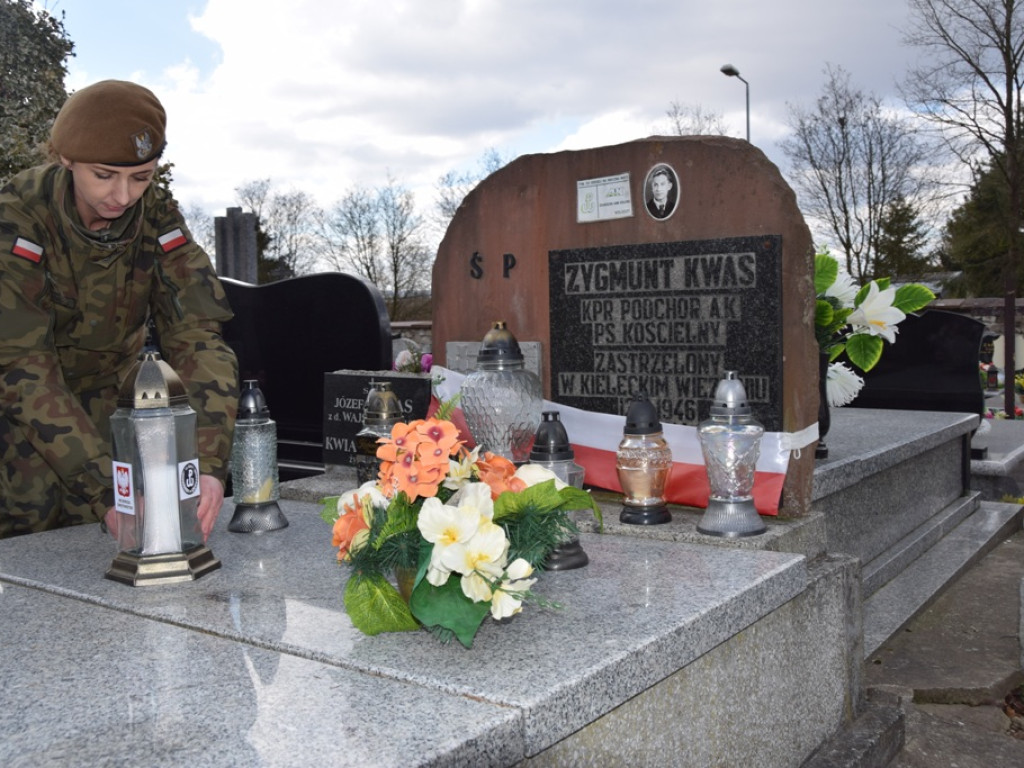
628	287
933	366
345	400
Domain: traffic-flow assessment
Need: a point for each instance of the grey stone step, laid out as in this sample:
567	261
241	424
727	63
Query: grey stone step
890	608
870	741
877	573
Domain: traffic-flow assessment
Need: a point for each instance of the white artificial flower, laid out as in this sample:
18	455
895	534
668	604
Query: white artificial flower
534	474
842	385
446	528
476	498
368	489
480	560
876	315
508	598
461	472
843	289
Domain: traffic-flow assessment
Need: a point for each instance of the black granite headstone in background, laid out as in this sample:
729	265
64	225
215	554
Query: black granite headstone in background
668	319
344	400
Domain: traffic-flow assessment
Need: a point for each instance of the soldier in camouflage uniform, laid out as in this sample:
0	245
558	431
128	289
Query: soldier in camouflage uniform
90	251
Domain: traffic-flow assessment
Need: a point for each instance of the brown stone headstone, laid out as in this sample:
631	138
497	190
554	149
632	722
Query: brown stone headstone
568	251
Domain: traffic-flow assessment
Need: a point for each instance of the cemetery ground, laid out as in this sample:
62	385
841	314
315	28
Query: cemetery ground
956	670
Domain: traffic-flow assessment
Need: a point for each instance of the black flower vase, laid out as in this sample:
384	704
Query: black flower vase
824	417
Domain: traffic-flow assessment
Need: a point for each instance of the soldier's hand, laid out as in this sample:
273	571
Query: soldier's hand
110	519
211	499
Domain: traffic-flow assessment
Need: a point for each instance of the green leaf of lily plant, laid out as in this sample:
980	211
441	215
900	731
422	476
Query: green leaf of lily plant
864	350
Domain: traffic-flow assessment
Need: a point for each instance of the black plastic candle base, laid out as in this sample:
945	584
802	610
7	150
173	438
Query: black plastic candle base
654	515
566	557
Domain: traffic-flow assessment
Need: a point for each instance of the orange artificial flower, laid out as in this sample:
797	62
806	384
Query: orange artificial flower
416	478
404	437
351	529
499	474
438	441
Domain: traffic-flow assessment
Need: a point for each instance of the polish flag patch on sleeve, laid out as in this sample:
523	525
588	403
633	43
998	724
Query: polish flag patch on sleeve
171	240
27	250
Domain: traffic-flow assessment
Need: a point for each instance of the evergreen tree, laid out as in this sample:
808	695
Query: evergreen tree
975	238
34	49
900	241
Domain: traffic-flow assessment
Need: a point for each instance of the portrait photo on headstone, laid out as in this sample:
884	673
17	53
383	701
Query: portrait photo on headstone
661	191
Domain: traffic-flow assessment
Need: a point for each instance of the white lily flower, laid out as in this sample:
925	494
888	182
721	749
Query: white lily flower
368	489
476	497
461	472
480	560
843	289
446	528
876	315
533	474
508	598
842	385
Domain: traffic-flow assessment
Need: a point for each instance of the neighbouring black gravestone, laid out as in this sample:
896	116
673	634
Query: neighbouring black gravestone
344	401
288	334
668	319
933	366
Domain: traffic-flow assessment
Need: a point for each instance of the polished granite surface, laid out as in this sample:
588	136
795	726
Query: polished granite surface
640	611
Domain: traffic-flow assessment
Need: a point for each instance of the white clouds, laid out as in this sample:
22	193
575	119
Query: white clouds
319	95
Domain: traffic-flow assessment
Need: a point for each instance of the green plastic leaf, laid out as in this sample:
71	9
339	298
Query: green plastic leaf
912	297
864	350
329	509
577	498
826	270
446	606
823	313
375	606
541	497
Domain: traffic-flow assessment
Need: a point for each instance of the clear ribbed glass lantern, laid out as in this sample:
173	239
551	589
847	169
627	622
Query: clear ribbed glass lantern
380	414
254	476
156	479
501	399
731	443
643	462
552	450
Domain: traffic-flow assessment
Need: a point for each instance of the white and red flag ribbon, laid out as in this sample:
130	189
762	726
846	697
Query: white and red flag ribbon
595	438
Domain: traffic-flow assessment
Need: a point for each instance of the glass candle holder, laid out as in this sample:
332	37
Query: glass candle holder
643	462
501	399
731	443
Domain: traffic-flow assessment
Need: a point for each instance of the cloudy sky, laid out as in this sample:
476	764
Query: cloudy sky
318	95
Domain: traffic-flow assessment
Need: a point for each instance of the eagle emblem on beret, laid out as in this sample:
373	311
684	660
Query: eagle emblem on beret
143	144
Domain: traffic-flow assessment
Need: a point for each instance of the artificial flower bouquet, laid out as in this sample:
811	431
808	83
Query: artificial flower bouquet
460	532
856	319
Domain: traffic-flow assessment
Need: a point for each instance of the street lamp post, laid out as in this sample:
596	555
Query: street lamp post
730	71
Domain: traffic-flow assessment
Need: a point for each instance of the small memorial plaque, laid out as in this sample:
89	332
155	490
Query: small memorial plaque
667	319
345	397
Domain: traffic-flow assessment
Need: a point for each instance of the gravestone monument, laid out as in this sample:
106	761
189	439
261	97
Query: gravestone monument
650	266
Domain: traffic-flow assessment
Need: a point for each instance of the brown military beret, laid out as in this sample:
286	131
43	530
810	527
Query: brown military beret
113	122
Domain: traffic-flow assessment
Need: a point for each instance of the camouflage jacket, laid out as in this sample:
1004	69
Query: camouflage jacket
73	311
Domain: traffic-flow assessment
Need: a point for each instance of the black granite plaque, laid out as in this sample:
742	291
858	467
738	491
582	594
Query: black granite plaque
668	319
345	397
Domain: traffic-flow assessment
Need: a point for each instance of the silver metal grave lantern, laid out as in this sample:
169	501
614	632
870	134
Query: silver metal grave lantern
156	480
501	399
254	476
643	462
381	412
731	443
552	450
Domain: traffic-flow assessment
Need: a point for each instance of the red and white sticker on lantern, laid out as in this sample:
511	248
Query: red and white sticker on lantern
124	488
